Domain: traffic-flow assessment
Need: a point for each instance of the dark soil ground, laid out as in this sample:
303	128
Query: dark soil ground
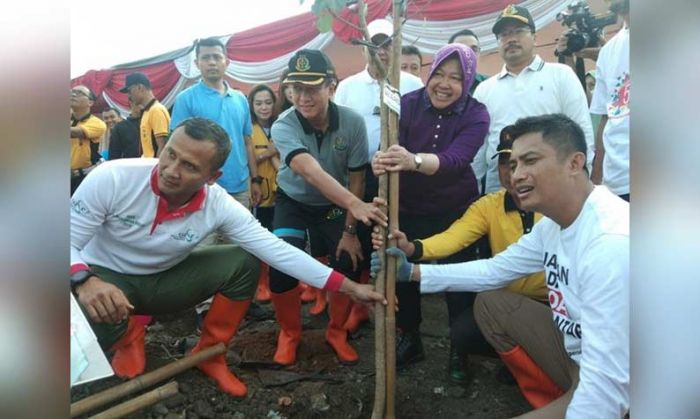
317	386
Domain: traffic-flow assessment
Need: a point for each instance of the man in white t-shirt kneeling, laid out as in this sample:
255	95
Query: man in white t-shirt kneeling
571	358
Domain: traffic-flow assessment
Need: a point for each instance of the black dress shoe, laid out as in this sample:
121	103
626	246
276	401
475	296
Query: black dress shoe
409	348
457	366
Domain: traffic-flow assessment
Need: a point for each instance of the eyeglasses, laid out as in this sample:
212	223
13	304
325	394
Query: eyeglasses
512	33
78	92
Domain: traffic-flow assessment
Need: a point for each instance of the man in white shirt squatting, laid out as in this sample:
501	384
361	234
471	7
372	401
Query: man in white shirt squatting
134	227
577	365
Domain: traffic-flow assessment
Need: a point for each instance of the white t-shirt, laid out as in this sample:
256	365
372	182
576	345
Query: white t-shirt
116	223
587	272
361	93
611	97
541	88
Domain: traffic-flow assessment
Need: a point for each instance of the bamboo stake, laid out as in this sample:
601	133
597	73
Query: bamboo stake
393	138
139	383
138	403
380	348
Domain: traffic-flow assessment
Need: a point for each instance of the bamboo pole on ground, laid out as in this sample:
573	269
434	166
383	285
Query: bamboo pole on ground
139	383
138	403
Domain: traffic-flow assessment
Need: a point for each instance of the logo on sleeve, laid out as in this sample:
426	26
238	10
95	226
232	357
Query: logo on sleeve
78	207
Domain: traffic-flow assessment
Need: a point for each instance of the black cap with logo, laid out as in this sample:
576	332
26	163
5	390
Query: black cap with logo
135	78
505	143
513	13
310	66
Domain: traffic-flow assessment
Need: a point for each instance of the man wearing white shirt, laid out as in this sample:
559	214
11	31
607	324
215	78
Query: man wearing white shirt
571	357
526	86
611	100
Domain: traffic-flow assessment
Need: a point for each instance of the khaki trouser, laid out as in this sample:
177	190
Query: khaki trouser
224	269
507	319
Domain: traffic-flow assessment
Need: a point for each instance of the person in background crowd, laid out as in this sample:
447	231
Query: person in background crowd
86	131
214	99
526	86
411	60
262	103
468	38
155	118
440	130
111	117
125	139
285	95
611	98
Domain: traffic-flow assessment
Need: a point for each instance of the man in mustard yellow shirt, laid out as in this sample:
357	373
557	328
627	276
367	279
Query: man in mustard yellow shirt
86	132
496	215
155	118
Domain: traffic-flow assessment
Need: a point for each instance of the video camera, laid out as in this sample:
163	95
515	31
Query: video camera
585	27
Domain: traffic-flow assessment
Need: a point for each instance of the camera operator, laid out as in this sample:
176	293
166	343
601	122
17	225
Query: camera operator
583	37
611	101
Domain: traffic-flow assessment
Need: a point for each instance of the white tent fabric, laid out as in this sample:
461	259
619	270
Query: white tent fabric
430	36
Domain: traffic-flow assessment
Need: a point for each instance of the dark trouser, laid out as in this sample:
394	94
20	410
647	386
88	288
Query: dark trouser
626	197
508	320
324	223
75	182
224	269
265	215
459	304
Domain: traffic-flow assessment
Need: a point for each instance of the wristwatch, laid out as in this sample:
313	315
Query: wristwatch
351	229
257	179
79	278
418	160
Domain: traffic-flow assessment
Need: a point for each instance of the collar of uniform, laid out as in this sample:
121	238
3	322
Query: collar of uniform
333	124
163	214
457	107
229	91
509	203
536	65
75	121
149	104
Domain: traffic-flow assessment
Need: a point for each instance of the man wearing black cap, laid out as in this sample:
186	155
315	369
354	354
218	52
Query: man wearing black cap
155	118
323	148
526	86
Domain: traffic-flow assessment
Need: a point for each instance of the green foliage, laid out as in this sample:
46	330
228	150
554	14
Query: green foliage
322	9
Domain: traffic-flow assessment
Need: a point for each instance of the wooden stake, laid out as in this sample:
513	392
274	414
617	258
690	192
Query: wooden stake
138	403
139	383
393	138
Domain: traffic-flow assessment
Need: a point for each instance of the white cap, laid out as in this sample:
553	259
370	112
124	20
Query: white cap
380	26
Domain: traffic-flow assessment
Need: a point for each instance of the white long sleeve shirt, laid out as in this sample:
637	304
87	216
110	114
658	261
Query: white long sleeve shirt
361	93
587	272
119	221
541	88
